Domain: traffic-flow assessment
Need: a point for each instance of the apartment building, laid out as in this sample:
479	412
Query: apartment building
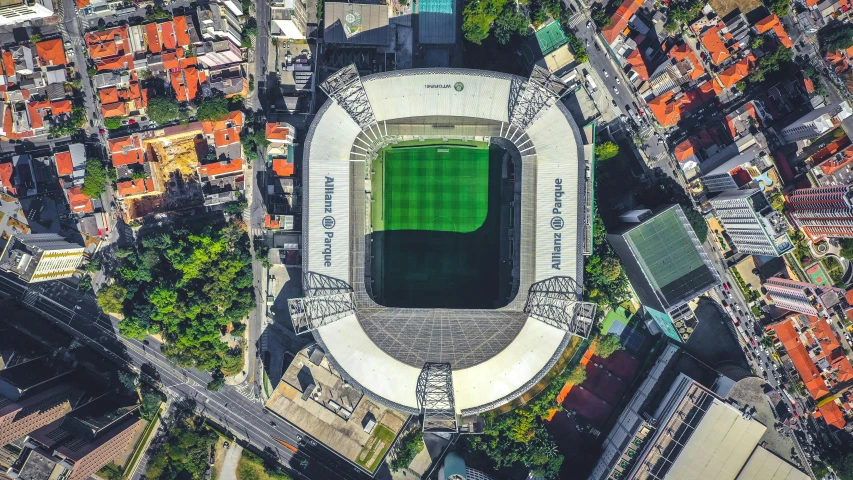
40	257
751	223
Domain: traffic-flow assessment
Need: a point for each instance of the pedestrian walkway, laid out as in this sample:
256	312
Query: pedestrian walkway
232	459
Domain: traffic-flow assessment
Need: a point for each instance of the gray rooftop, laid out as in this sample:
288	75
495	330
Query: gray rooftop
356	23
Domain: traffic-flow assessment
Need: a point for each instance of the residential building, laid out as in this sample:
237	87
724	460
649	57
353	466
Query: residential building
687	431
356	24
754	227
714	41
742	120
802	297
620	20
289	19
16	12
666	265
280	150
221	182
88	438
819	360
736	72
221	19
39	257
772	22
824	211
816	123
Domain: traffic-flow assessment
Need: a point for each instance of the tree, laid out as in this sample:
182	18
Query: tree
741	85
92	71
846	248
843	466
478	17
407	448
781	8
150	405
111	298
212	109
217	383
95	181
184	453
671	27
697	221
93	265
607	344
601	18
756	43
578	375
128	380
112	123
578	47
35	38
162	109
606	151
508	24
611	268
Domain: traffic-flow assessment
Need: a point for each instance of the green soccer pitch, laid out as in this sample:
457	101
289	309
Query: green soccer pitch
434	187
436	225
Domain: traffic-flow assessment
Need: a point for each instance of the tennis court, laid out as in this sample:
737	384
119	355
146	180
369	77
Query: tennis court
440	188
436	225
818	276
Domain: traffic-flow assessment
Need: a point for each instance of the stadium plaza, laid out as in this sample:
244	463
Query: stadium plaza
447	214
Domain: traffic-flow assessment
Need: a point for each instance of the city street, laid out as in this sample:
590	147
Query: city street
245	418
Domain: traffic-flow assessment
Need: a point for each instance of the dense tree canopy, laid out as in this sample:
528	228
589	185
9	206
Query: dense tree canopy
839	37
212	109
184	454
186	285
606	151
772	62
478	17
607	344
162	109
508	23
408	447
95	181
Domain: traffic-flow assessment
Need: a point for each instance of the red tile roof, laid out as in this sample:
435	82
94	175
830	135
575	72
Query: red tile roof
182	31
619	20
170	42
112	110
685	149
271	222
233	119
277	132
221	168
64	166
7	171
667	108
108	95
152	34
186	82
714	44
735	73
682	52
59	107
229	136
831	413
120	144
115	63
51	52
800	358
79	202
282	167
638	64
8	64
135	187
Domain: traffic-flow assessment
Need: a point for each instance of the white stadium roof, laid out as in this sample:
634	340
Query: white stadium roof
552	216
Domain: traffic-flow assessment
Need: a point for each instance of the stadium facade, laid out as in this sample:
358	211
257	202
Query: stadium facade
441	363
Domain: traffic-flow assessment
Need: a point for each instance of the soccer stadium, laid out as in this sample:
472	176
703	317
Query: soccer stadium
446	216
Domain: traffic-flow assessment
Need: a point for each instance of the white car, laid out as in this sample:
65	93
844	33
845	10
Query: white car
615	90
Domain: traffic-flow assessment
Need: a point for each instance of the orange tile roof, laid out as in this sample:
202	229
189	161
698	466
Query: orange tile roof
108	95
103	50
79	202
186	82
714	44
129	158
282	167
170	42
170	60
766	24
229	136
837	162
64	166
800	358
638	64
277	131
36	119
82	3
112	110
182	31
235	118
782	36
221	168
685	149
132	187
115	63
120	144
825	337
61	106
808	84
619	20
831	413
667	109
143	99
735	73
684	51
106	35
8	64
270	222
7	171
152	34
51	52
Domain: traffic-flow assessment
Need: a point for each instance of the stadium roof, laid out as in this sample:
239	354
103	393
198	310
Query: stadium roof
496	355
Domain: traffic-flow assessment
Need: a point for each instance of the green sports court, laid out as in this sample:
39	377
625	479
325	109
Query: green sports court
436	226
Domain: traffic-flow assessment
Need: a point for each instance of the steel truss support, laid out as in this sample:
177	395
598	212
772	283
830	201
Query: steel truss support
435	398
541	91
311	313
346	89
556	301
326	299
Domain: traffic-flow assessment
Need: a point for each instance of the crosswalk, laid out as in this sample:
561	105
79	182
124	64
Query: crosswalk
576	20
247	390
